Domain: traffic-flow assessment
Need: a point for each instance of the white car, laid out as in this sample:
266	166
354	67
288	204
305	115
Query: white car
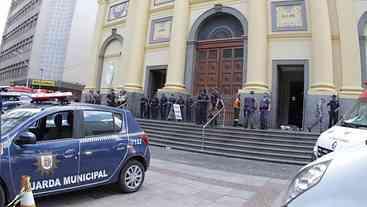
350	131
335	180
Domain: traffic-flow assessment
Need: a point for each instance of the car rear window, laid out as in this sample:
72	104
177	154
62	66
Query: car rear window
98	123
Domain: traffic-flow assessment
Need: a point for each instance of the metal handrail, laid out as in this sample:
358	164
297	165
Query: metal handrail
208	122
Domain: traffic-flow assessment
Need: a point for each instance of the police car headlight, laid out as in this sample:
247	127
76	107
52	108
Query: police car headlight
306	179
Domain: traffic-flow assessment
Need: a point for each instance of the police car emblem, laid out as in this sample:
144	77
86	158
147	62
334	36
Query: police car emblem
334	145
46	164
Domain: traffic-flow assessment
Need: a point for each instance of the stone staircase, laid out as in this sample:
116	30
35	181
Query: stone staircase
263	145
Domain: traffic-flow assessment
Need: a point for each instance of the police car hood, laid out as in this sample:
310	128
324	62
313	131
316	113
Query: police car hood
340	137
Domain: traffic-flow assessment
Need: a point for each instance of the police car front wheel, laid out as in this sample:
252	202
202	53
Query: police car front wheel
132	177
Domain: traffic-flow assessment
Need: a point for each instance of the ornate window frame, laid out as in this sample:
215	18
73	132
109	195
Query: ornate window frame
152	30
274	20
157	3
109	19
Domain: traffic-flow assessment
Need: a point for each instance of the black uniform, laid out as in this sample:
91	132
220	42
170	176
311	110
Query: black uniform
97	98
111	99
203	101
143	107
333	111
189	109
214	99
164	106
181	102
154	107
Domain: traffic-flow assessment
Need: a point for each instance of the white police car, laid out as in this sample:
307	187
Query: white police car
70	147
11	100
349	132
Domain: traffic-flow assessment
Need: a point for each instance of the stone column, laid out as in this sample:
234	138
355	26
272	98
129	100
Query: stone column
256	79
137	25
102	10
349	45
177	49
322	73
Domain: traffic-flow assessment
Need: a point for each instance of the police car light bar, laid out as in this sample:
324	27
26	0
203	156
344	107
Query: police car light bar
49	96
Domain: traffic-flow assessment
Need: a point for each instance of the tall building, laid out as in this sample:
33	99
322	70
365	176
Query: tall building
296	50
36	41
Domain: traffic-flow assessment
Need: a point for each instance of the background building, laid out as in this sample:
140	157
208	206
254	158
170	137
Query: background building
297	50
38	37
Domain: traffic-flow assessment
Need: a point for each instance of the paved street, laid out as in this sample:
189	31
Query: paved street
187	179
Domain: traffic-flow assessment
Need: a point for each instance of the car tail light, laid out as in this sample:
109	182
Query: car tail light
145	138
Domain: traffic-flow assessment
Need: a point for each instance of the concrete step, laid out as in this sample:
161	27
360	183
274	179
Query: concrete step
234	136
265	133
245	141
266	145
270	131
258	148
193	148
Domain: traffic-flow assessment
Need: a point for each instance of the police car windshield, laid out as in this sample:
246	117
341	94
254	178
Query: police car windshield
14	117
357	117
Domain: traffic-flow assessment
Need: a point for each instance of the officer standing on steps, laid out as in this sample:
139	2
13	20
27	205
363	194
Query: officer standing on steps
181	102
97	97
333	106
164	105
249	110
264	111
111	98
189	109
203	103
154	107
237	109
143	106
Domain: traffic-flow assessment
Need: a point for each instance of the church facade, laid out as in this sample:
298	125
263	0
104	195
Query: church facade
298	51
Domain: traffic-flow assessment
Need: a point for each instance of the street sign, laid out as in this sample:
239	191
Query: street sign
49	83
177	111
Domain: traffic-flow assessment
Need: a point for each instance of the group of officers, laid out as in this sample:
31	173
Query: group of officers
200	110
206	107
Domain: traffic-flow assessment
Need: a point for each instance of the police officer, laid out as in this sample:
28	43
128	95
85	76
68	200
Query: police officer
154	107
97	97
319	115
249	110
218	106
204	106
143	107
164	106
333	106
171	112
236	108
264	111
198	118
189	109
214	98
111	98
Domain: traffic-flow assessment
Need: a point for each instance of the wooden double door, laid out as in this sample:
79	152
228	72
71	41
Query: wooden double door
220	65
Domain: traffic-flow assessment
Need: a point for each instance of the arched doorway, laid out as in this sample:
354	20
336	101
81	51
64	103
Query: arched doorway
109	61
220	54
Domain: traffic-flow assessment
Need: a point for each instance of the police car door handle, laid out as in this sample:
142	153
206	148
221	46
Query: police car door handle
120	147
70	153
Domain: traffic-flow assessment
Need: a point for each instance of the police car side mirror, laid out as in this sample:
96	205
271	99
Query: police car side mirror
25	138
